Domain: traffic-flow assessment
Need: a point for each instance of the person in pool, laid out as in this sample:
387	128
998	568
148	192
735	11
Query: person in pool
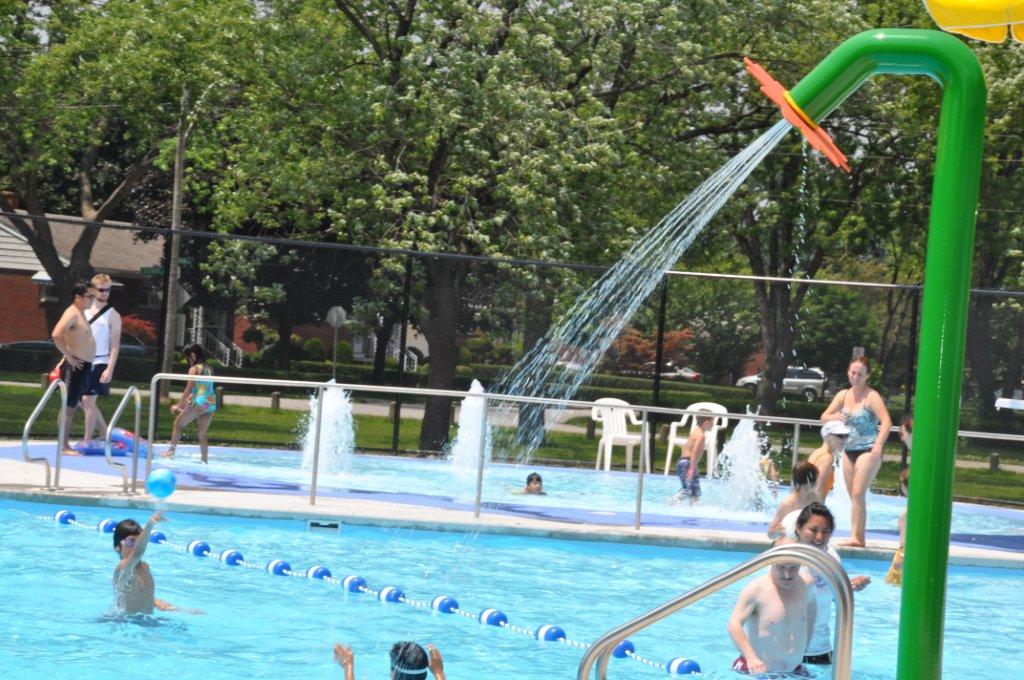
409	661
804	491
814	526
133	581
198	402
686	468
773	620
534	485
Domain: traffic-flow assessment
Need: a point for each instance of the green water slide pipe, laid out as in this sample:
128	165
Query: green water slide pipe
944	312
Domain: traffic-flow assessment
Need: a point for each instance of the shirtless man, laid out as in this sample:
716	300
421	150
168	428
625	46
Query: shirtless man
693	451
133	582
772	621
73	339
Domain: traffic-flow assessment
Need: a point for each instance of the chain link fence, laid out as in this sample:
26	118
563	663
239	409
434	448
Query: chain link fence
259	307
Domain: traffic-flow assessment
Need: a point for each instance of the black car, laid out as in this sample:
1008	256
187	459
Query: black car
131	346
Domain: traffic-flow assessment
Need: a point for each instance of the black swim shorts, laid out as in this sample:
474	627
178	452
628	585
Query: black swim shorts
93	386
75	379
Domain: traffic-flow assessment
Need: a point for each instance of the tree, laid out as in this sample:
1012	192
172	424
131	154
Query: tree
92	113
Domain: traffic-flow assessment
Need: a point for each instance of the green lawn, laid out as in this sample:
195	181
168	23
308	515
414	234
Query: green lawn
258	426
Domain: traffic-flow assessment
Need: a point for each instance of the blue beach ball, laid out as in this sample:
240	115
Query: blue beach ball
64	516
161	483
622	649
682	666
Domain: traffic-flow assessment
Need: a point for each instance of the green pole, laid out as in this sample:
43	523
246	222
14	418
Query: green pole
944	313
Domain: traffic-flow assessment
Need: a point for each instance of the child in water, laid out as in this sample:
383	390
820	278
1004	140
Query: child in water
133	582
804	492
534	485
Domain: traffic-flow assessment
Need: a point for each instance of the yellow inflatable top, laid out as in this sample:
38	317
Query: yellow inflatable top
987	20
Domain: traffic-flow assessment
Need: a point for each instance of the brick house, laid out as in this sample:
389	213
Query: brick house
28	306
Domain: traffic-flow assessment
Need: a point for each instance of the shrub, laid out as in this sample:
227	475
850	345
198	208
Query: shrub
313	348
344	350
140	328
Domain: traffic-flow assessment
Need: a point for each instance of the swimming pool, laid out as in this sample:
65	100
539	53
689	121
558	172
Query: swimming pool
580	495
56	585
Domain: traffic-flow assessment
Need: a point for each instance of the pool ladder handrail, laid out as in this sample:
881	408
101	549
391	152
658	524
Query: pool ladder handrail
132	391
62	418
814	558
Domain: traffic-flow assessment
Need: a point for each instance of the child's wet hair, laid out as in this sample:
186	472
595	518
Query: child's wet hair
409	661
124	529
804	473
534	477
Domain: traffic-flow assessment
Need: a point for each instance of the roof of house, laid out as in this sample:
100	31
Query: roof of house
118	252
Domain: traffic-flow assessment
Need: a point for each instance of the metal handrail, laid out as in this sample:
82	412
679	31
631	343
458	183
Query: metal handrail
600	651
62	418
132	391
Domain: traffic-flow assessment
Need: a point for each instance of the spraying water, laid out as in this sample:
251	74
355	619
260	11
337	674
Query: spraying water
337	432
739	466
465	452
566	356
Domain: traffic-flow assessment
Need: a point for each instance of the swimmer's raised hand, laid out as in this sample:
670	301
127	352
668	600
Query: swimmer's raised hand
436	665
157	516
344	657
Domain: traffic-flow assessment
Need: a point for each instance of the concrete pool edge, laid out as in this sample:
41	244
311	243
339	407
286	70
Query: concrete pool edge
92	489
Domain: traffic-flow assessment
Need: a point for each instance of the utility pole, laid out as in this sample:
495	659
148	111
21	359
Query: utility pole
171	304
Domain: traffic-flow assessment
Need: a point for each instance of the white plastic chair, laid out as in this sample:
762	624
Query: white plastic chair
710	439
612	414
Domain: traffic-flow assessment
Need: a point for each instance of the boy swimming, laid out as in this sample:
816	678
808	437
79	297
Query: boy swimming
534	485
804	492
133	582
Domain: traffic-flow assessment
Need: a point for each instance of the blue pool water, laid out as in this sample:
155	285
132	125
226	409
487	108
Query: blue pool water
581	495
56	585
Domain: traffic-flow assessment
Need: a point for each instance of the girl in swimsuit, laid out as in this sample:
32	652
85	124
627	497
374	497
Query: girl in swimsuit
198	402
863	411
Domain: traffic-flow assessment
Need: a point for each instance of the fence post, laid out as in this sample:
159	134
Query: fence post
993	462
796	445
275	401
483	452
316	444
219	389
645	453
402	347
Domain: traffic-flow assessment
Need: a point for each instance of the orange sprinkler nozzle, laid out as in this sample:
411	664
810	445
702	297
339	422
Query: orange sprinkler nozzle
792	112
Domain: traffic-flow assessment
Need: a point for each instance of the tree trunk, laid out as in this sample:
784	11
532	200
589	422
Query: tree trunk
777	316
443	301
285	325
537	322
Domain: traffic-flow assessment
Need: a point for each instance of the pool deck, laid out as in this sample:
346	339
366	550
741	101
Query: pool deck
23	481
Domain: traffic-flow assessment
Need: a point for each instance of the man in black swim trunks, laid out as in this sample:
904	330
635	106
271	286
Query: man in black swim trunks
73	339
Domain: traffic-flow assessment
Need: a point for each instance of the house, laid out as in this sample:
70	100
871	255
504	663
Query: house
28	306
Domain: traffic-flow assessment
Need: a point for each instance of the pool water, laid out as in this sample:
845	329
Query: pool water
57	584
597	494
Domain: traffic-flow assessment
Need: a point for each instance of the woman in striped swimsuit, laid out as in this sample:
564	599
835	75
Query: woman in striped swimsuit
863	411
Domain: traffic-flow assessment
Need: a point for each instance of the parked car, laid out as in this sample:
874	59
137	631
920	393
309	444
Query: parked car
130	346
810	383
672	372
